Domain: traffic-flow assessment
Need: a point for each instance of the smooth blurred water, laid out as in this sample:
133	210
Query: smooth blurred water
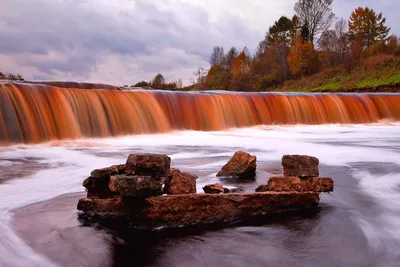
359	223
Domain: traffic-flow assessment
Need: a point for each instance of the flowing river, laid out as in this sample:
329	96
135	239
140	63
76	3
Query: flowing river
53	134
358	224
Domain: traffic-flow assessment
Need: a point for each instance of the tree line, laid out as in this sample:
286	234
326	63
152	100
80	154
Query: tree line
10	76
309	42
159	82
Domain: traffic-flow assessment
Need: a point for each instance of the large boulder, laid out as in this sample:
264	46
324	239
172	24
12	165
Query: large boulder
300	166
155	165
214	189
195	209
135	185
287	184
180	183
241	165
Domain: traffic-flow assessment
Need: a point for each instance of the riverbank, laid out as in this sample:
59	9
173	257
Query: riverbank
374	78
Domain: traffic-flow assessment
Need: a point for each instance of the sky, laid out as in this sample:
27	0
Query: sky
125	41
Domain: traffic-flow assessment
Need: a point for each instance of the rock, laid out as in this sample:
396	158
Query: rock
135	185
98	187
180	183
195	209
120	168
155	165
97	183
285	184
104	172
233	190
213	189
262	188
241	165
300	166
184	173
190	174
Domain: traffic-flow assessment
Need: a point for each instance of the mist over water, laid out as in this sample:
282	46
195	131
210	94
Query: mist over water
363	212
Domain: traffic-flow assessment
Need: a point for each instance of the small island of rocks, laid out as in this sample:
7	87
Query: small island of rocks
146	193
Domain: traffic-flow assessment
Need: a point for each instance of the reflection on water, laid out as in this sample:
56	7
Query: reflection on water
356	226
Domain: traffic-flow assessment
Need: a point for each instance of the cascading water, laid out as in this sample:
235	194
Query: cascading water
357	225
33	113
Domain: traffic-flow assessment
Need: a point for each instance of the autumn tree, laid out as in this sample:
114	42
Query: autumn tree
241	72
268	71
241	64
367	26
317	15
303	58
218	78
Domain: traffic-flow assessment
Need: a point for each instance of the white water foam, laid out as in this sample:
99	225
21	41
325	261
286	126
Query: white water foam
383	232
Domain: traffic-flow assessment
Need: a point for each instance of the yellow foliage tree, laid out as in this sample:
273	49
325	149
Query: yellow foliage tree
303	58
241	64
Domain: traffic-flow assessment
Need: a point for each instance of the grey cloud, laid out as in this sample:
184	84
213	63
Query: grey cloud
82	35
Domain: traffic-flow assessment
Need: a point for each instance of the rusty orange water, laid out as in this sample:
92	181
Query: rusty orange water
33	113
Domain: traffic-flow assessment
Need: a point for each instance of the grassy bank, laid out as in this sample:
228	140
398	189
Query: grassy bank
375	75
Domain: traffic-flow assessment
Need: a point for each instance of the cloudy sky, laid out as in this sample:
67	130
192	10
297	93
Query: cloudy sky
124	41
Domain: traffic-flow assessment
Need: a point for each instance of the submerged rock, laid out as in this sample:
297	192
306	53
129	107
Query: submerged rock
233	190
300	166
242	165
214	189
180	183
195	209
155	165
135	185
286	184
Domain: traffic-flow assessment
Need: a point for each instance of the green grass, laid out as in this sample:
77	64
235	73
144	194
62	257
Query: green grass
338	79
376	80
